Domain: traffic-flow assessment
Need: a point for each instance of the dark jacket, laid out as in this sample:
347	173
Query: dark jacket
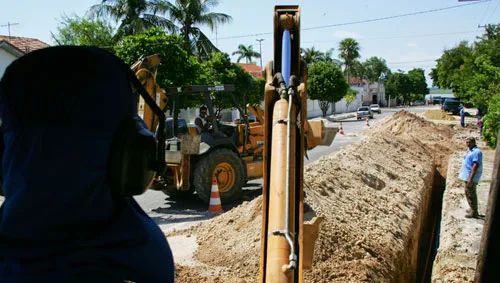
60	108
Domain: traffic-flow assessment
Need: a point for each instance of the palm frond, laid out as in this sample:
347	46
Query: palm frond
157	21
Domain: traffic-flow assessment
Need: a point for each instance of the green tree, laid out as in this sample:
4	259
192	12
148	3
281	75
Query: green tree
350	97
133	16
326	83
453	68
218	69
311	55
246	52
255	95
374	67
178	67
328	57
492	120
473	72
357	69
189	15
418	83
349	52
399	85
81	31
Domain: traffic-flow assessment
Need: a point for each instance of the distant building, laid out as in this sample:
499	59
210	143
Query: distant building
254	70
13	47
368	93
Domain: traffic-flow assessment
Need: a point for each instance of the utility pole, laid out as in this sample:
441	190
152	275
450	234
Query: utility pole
8	25
260	50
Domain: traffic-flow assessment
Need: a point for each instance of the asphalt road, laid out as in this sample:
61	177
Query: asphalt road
179	214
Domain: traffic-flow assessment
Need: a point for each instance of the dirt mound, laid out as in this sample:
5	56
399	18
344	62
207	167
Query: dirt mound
369	194
437	114
409	125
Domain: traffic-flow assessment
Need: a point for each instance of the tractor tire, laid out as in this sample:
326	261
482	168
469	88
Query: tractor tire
231	175
173	192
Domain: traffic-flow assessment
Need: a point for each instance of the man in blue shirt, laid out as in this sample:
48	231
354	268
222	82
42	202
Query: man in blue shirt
472	168
462	116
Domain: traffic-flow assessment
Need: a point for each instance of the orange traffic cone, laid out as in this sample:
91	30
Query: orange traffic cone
367	123
341	130
215	203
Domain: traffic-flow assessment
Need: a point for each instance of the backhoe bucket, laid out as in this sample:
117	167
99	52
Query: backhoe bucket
311	232
328	134
318	134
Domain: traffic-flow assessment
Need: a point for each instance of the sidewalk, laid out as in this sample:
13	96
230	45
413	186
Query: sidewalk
335	117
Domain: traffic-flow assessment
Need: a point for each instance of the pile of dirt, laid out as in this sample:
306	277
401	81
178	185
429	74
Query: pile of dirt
437	114
370	195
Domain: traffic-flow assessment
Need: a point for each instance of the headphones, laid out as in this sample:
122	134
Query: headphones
136	154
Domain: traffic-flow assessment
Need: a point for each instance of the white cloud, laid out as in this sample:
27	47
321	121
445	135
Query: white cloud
412	44
344	34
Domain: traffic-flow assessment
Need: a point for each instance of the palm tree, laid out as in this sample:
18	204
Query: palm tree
349	52
246	52
134	16
188	14
311	55
328	57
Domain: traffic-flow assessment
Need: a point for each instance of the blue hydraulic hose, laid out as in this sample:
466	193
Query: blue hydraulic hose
286	57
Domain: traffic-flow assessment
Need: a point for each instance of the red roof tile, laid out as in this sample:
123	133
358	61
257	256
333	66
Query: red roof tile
254	70
23	44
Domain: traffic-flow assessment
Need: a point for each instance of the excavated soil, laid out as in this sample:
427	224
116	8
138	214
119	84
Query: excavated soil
437	114
371	194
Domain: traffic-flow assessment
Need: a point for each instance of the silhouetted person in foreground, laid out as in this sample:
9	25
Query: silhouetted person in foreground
69	125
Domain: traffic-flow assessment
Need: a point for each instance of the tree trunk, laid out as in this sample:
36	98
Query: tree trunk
323	105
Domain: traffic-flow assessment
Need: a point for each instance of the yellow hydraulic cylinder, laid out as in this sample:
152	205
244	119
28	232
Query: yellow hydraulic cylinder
278	248
145	70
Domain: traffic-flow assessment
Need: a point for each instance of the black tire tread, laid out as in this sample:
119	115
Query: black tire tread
202	179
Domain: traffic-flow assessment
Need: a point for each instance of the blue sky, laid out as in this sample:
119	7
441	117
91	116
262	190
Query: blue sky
404	42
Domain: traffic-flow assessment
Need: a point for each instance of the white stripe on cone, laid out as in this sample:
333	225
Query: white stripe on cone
215	205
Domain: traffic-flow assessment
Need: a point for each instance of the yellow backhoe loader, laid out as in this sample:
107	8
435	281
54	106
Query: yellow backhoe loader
287	244
231	152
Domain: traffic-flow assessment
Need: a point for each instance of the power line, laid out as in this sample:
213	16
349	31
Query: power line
493	11
368	20
247	35
485	11
401	36
398	16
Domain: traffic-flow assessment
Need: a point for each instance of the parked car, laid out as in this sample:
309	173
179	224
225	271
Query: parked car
364	112
375	108
418	103
451	105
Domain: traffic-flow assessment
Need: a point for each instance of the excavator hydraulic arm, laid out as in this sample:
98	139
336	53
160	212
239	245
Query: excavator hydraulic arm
286	242
145	69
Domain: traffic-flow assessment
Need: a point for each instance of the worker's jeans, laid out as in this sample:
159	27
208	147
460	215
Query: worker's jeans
471	196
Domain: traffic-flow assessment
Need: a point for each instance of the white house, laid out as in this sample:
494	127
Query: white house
13	47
